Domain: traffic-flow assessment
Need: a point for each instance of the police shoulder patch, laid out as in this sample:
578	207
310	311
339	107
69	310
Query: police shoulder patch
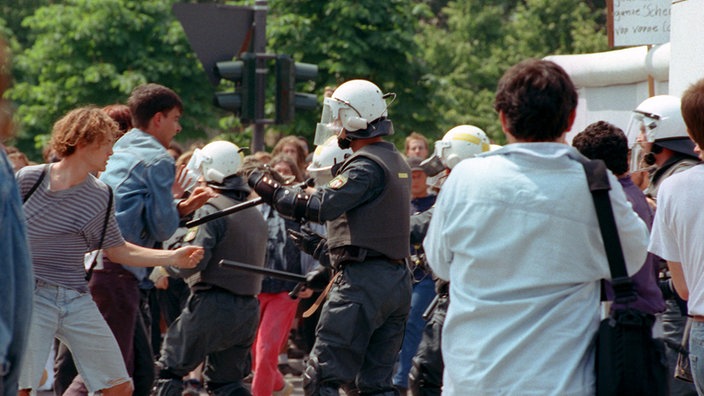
191	234
338	182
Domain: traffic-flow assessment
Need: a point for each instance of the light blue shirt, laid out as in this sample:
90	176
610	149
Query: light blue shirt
141	173
516	233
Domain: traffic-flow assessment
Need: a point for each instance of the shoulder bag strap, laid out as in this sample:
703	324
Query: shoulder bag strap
36	184
89	272
598	181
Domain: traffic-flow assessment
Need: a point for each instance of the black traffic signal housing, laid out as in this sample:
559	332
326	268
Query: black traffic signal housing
288	73
243	73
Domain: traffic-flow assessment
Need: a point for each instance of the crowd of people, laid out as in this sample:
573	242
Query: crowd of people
465	268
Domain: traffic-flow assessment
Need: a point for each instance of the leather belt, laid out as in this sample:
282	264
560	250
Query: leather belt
698	318
358	254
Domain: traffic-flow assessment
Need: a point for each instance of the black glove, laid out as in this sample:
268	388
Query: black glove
308	241
264	185
318	278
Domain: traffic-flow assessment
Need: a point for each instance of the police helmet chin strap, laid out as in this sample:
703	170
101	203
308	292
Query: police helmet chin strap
344	143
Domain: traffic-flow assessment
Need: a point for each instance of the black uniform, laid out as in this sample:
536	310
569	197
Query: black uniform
219	322
425	377
361	326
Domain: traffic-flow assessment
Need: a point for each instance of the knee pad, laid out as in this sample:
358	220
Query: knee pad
168	387
311	381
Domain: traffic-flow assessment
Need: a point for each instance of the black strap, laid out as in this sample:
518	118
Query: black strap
36	184
89	271
598	181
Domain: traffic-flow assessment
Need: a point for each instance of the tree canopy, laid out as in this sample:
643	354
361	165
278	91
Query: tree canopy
442	58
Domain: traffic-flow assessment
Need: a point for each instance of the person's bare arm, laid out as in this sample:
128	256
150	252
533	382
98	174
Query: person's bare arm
137	256
678	279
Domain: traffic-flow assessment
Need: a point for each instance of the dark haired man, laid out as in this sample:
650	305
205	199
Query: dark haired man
516	234
607	142
142	175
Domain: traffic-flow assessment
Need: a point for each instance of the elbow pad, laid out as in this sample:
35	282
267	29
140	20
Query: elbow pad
265	186
297	206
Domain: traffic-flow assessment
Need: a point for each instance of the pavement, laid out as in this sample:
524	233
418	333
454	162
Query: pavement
297	382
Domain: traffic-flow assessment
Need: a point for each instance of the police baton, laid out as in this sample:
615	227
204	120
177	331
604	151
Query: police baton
301	279
232	209
238	207
290	276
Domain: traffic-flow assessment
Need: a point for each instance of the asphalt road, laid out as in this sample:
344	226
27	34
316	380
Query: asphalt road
296	381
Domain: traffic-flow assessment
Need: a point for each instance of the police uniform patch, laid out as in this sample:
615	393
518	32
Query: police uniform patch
191	234
338	182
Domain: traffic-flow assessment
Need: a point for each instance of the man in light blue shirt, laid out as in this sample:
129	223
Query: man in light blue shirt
516	234
142	175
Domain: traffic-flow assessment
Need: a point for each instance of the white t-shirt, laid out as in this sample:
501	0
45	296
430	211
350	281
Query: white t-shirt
678	230
516	233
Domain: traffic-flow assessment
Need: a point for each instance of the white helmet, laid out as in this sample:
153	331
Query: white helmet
460	142
217	161
658	119
353	107
325	157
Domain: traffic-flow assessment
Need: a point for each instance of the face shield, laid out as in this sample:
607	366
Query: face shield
432	166
641	135
193	173
330	123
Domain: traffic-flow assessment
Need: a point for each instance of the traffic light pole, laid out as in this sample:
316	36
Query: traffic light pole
259	44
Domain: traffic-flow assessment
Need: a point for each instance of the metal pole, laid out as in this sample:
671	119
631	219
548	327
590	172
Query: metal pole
260	10
262	271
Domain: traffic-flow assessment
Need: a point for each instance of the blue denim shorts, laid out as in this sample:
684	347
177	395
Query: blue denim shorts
73	318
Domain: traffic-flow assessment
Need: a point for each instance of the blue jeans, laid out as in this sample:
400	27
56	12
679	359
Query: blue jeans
73	318
673	323
696	355
423	294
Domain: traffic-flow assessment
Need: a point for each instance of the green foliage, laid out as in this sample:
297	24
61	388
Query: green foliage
86	52
370	39
470	44
443	58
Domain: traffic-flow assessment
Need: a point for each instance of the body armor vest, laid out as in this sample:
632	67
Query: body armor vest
245	242
381	225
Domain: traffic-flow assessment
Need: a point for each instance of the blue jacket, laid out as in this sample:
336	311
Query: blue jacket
141	173
16	280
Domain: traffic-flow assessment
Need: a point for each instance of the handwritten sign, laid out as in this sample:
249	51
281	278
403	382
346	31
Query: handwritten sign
638	22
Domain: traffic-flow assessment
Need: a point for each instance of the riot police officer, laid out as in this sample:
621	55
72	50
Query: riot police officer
219	322
460	142
366	208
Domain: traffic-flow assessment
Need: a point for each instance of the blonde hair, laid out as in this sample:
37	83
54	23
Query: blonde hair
83	125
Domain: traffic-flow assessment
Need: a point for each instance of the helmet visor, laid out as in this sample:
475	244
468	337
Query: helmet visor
641	128
330	124
193	172
641	159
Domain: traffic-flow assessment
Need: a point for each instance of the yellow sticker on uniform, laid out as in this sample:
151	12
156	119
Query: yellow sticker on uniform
338	182
191	234
403	175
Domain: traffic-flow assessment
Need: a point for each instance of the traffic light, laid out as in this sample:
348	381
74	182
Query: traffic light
243	73
288	73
